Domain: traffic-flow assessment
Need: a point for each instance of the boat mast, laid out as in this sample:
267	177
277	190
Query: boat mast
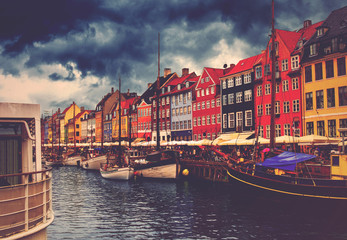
158	90
119	123
74	128
273	82
52	130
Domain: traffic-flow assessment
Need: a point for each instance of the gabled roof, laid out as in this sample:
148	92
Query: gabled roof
67	109
306	34
244	65
289	38
81	113
213	73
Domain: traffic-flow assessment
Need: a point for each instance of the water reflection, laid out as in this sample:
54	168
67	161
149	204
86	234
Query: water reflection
89	207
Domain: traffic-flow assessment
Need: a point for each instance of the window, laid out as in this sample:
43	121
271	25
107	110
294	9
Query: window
268	109
309	101
198	106
319	99
194	120
207	91
224	120
194	107
318	71
277	87
189	95
173	126
184	98
208	104
343	96
296	106
167	113
308	74
231	120
267	70
247	78
278	130
313	49
332	128
261	131
267	131
218	118
287	129
238	81
295	62
248	95
213	119
203	121
189	124
212	90
285	86
202	92
181	97
212	103
260	110
224	100
329	67
267	89
198	93
203	106
218	102
248	117
239	97
239	120
258	72
230	82
202	80
259	91
320	128
199	121
309	128
295	83
224	84
231	98
284	65
330	97
343	124
208	120
277	107
207	79
341	66
189	109
185	110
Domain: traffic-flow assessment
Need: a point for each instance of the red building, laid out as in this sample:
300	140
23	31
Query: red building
207	104
288	106
144	120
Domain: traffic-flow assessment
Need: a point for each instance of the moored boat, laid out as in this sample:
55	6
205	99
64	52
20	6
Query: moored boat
72	160
25	185
94	163
117	173
159	165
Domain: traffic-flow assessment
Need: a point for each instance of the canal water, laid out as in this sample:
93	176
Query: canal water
87	206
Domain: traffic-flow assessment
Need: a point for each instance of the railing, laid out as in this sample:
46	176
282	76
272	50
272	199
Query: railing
26	205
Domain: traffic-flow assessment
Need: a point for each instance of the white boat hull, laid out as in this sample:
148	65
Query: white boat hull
163	172
124	173
72	161
94	163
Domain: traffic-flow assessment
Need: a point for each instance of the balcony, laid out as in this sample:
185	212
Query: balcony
26	207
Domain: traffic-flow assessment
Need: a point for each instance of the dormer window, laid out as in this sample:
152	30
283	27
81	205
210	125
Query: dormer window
169	88
313	49
187	84
179	87
202	80
320	32
207	79
163	90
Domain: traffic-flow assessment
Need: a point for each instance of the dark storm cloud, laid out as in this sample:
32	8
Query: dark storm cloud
112	38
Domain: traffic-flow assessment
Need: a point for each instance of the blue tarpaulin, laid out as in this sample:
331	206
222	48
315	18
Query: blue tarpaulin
286	160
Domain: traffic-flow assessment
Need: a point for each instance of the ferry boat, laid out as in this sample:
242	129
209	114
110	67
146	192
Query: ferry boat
25	185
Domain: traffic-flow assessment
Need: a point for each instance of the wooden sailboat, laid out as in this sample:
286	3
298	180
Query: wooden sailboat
161	164
279	175
124	171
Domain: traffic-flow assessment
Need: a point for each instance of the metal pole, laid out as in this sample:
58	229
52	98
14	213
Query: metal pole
273	82
158	90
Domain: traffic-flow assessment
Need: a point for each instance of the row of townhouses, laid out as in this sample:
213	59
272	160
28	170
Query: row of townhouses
311	95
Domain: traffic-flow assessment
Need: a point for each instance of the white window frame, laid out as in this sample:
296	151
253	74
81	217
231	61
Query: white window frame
231	122
248	118
248	95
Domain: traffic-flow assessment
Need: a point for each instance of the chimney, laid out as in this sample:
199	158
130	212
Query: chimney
112	90
82	109
167	71
58	110
307	23
185	71
128	93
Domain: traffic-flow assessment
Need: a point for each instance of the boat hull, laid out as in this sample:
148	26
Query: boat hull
168	171
72	161
290	186
124	173
94	163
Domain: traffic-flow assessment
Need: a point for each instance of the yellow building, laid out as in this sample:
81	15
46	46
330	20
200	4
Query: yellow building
324	85
67	114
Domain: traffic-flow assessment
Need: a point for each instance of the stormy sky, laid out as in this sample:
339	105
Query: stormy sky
54	52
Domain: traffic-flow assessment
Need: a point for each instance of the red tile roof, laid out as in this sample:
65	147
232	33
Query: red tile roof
244	64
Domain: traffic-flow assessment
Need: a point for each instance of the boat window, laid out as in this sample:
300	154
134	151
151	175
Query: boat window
13	129
336	161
